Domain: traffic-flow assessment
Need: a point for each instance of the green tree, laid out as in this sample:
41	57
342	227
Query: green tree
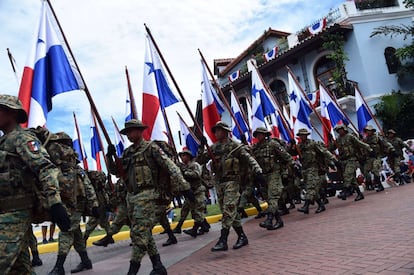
406	53
395	110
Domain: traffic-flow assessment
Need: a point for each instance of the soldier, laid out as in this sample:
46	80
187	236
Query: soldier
380	148
36	261
226	158
98	180
24	166
77	195
269	154
312	155
142	162
394	160
349	146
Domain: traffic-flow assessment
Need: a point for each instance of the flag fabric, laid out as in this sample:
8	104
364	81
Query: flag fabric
318	26
258	116
210	111
299	108
96	146
49	70
234	75
156	95
206	85
363	114
314	98
271	54
78	146
235	108
188	139
119	142
128	108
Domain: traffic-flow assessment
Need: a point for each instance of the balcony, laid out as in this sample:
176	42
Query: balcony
375	4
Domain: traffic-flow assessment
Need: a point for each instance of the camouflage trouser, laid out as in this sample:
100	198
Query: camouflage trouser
394	163
293	191
93	222
142	214
14	238
197	207
372	165
161	215
247	196
32	241
121	219
312	183
348	172
228	197
72	237
274	191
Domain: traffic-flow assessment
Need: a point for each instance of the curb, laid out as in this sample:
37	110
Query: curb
124	235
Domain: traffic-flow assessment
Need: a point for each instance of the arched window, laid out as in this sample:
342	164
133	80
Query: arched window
323	71
393	63
278	88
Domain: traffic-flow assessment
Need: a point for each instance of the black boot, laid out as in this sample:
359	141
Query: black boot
282	208
278	224
158	267
321	206
242	238
133	268
193	231
221	245
379	184
242	212
360	196
171	238
104	241
36	261
305	208
85	263
268	223
177	229
58	269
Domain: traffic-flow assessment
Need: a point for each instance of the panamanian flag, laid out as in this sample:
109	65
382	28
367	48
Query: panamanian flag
318	26
234	75
271	54
49	70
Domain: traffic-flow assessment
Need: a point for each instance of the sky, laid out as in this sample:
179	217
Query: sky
105	36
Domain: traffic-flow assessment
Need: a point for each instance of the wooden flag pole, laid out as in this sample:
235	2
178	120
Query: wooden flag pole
84	160
131	95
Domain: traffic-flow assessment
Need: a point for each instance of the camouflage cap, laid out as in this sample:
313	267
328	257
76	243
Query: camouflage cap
303	132
222	125
370	128
186	151
61	136
97	175
13	103
133	124
341	126
262	130
391	131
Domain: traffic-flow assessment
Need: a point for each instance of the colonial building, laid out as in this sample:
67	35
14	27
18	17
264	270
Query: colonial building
370	64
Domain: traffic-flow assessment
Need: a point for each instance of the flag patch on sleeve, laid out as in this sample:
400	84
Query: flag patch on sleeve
34	146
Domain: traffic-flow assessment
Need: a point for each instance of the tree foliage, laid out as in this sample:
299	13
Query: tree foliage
395	110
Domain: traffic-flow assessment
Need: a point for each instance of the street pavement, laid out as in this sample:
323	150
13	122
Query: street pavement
372	236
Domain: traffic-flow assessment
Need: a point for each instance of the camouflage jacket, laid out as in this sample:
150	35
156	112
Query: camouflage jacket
24	163
192	174
349	147
398	145
86	199
228	155
314	155
270	154
379	145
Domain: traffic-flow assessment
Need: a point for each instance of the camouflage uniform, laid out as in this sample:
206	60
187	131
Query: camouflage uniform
349	148
269	153
24	164
142	163
394	159
226	166
312	155
380	148
36	261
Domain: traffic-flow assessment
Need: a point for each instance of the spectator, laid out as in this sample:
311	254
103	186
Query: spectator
51	232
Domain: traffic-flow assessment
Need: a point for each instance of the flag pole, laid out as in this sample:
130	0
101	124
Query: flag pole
223	98
368	108
131	95
88	94
100	140
84	160
243	113
117	128
12	61
188	128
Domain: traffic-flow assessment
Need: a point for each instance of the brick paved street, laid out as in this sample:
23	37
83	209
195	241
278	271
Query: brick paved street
372	236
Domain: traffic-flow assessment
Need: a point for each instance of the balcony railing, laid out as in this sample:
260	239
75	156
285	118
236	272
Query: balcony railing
331	18
375	4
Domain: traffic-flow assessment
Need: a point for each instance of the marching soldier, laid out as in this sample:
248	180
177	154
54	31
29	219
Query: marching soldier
270	154
24	166
142	162
394	159
311	153
226	158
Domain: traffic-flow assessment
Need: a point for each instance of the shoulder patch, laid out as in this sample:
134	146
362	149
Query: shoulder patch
34	146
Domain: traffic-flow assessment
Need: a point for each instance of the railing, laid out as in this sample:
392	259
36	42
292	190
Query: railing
331	18
375	4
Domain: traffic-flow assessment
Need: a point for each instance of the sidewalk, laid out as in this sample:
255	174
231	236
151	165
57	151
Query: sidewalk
372	236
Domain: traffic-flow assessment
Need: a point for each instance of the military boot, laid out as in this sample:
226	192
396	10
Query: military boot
359	196
321	206
133	268
58	268
380	187
171	238
283	210
177	229
193	231
242	238
305	208
279	222
104	241
36	261
221	245
85	263
242	212
158	267
268	222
